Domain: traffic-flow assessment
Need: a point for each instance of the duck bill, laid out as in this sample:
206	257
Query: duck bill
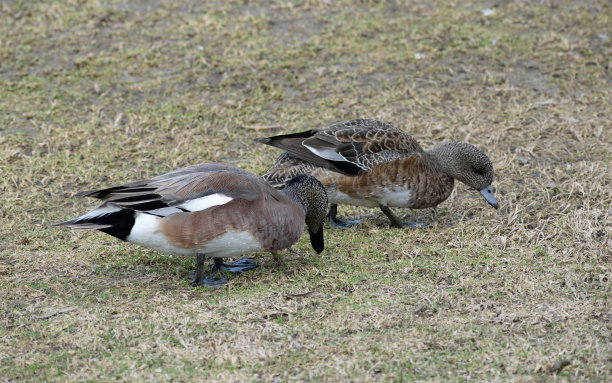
488	194
316	239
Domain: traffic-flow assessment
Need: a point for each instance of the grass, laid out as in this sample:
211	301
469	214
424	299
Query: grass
99	93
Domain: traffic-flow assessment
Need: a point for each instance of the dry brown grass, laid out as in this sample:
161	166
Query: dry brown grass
93	94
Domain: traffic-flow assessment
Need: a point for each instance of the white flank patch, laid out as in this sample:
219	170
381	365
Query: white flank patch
145	232
400	198
100	211
204	203
231	244
328	154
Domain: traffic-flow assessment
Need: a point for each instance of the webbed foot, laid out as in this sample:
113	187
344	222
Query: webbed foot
212	282
335	222
209	281
239	266
343	224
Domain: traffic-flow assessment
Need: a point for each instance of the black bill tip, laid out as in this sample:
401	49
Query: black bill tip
488	194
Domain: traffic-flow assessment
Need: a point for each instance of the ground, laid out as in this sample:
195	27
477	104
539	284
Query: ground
96	93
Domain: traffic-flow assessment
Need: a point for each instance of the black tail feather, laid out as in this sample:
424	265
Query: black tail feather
118	223
103	193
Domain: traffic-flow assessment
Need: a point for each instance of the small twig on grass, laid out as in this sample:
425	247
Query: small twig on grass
60	311
302	295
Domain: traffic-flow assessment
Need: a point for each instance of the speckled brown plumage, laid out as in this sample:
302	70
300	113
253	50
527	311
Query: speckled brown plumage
371	163
428	186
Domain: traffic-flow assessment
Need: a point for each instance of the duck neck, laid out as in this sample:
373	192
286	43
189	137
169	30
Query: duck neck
444	159
293	193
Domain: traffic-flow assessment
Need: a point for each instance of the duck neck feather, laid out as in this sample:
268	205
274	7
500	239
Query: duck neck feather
308	193
446	158
293	193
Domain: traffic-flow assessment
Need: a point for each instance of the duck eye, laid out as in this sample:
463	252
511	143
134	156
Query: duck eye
478	171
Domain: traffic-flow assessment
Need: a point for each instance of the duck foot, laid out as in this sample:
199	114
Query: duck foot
212	281
343	224
239	266
338	223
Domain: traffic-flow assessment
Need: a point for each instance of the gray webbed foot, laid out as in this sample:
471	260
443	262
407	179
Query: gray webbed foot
212	282
239	266
338	223
343	224
209	281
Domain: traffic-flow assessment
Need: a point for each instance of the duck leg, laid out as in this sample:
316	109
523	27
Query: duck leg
336	222
211	280
397	222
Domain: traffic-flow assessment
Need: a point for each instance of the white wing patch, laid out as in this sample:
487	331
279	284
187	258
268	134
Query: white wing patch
328	154
204	203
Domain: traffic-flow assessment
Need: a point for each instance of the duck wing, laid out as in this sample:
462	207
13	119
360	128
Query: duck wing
349	146
192	188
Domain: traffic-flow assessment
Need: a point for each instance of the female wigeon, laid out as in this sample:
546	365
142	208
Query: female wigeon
371	163
210	210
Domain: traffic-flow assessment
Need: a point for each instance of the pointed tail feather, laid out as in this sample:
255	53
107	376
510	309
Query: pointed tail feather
78	223
109	219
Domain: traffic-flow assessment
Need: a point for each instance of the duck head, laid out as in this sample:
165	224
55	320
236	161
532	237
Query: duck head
310	193
468	164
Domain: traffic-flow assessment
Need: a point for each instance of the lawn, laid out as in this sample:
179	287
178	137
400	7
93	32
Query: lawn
97	93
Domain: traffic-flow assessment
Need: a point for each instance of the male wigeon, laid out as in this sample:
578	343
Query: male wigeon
210	210
371	163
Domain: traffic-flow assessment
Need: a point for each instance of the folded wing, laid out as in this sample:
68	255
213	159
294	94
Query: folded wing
348	147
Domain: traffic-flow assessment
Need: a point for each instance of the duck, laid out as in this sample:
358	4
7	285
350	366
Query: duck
371	163
210	211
